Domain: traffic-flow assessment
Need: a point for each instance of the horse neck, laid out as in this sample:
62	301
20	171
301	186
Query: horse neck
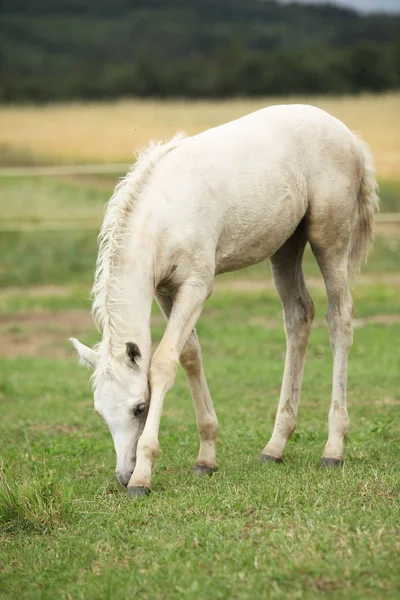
129	303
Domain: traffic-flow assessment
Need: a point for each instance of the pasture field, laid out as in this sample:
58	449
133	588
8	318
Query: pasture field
67	530
108	132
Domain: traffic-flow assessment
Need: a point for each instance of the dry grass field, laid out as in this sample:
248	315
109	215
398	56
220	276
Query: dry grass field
109	132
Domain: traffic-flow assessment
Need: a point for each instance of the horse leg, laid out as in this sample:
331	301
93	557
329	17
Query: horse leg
334	269
206	418
298	314
185	311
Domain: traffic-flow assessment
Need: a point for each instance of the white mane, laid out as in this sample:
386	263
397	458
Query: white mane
113	230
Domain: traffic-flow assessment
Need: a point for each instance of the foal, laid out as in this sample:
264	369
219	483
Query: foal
257	188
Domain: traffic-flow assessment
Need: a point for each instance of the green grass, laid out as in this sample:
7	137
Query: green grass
279	531
44	198
389	192
60	257
57	257
67	530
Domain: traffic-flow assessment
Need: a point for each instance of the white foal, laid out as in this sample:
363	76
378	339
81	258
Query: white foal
257	188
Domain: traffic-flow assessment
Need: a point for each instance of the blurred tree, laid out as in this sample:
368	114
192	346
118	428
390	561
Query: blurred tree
370	68
191	48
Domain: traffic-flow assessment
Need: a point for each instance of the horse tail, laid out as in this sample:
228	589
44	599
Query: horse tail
362	239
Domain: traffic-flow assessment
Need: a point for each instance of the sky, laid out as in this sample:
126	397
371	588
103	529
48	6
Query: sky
392	6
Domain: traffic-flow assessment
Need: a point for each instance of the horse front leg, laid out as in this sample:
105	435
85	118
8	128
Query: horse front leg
207	422
185	311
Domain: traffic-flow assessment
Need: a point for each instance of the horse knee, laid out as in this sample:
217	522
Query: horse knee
163	368
341	327
148	448
208	429
299	315
308	308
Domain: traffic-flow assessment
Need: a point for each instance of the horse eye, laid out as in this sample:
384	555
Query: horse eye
139	409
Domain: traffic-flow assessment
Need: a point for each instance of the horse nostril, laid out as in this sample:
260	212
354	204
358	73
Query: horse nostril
124	477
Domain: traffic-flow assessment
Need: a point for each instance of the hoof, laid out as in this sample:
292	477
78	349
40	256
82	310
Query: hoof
204	470
138	491
268	458
331	462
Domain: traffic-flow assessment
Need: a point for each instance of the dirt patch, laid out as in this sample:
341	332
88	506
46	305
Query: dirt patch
57	429
48	345
43	333
46	333
266	322
220	285
103	183
324	585
261	285
378	319
389	401
40	291
388	229
272	323
50	319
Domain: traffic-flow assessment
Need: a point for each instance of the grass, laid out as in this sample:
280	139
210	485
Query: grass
32	258
287	531
67	530
36	505
40	198
109	131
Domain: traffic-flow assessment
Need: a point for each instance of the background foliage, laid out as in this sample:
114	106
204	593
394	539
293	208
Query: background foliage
192	48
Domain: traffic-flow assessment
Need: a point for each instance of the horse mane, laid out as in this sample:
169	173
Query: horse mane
113	230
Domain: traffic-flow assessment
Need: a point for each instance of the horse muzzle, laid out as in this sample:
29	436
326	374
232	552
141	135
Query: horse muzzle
124	477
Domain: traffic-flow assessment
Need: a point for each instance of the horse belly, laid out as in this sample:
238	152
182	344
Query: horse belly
248	238
246	251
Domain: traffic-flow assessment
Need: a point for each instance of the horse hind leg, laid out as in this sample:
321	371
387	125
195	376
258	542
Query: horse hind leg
333	260
298	314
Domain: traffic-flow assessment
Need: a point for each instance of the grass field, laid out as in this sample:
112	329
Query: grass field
279	531
289	531
109	132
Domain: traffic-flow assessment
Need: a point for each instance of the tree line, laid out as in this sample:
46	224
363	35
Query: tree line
192	49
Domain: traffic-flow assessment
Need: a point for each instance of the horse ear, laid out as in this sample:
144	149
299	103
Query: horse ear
87	355
133	352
